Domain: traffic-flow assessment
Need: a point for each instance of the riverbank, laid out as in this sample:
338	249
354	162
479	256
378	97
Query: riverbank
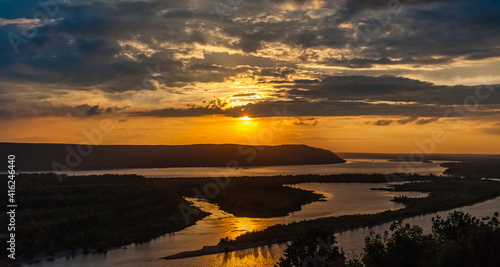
93	214
444	194
98	213
221	248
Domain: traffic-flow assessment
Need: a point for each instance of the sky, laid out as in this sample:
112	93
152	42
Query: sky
349	75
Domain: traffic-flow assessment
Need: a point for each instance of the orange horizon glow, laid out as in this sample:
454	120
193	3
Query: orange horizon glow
347	134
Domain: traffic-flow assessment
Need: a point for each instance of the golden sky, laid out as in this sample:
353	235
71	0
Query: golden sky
339	134
351	76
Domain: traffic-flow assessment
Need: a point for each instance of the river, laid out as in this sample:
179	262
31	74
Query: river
341	199
368	166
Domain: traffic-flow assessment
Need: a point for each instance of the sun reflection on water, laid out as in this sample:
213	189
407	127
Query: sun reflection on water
261	256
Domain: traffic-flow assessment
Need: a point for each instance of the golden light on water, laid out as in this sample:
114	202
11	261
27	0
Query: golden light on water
246	225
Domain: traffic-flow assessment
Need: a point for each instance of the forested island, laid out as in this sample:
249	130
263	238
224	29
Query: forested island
484	168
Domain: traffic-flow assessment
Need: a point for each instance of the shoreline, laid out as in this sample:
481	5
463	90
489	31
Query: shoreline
263	238
219	248
234	245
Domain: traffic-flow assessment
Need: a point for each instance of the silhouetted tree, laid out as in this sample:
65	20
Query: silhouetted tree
313	249
459	240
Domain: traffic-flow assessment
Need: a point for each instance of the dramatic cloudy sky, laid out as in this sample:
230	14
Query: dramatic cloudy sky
348	75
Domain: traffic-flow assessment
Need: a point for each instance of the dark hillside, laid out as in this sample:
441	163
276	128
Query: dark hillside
40	157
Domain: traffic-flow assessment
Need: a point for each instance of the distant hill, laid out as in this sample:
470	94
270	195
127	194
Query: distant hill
41	157
411	157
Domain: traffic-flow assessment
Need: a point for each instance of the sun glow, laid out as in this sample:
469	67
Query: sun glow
245	118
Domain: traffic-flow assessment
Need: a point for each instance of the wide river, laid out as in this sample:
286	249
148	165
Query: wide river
351	166
341	199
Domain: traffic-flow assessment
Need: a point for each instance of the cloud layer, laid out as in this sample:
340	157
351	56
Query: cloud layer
201	57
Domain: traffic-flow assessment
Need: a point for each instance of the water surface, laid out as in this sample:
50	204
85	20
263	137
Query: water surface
341	199
367	166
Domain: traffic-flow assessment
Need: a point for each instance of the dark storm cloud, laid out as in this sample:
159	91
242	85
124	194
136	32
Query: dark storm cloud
409	32
328	108
79	45
449	29
384	60
42	109
396	89
173	112
331	96
318	108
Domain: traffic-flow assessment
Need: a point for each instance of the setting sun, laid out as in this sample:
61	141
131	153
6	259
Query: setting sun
245	118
